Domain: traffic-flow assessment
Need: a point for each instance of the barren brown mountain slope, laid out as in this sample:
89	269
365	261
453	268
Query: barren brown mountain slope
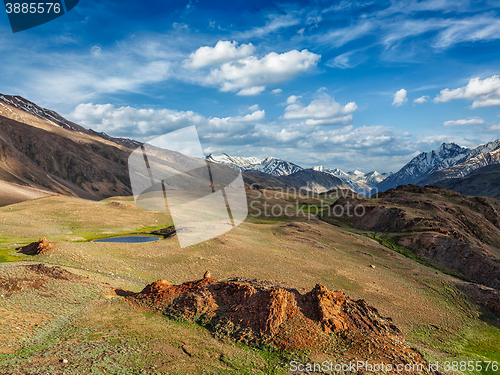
40	154
455	232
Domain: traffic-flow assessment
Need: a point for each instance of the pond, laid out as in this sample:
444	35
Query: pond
128	239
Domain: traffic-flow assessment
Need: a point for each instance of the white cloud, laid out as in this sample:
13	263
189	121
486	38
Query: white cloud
250	91
347	60
397	30
95	51
223	52
253	108
483	92
292	99
421	100
471	29
143	123
400	98
61	80
469	121
354	138
254	72
276	91
275	23
322	111
132	121
493	128
337	38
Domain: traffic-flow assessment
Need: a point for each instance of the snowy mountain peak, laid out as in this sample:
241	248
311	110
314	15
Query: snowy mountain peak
238	161
356	180
446	156
269	165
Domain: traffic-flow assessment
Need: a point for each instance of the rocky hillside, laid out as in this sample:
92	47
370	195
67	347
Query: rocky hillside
454	232
259	312
483	181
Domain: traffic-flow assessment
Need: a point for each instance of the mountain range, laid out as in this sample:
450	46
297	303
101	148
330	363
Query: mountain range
356	180
42	153
269	165
448	161
360	182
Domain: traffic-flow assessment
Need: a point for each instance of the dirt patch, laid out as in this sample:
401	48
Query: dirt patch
33	295
259	312
36	280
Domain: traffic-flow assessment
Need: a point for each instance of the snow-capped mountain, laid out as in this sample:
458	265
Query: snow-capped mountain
448	161
422	165
479	157
236	162
269	165
356	180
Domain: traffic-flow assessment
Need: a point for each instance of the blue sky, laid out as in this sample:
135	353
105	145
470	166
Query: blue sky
349	85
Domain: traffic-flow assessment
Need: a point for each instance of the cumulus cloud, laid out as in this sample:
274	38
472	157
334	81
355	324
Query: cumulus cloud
421	100
142	123
469	121
322	111
276	91
400	98
292	99
483	92
251	72
365	145
132	121
365	136
223	52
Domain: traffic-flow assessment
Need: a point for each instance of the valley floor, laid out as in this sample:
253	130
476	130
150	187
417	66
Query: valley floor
84	319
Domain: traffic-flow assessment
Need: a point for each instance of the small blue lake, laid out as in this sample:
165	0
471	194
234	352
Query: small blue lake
129	239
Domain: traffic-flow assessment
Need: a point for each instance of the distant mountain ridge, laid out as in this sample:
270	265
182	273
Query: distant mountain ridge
40	149
422	165
269	165
276	173
360	182
448	161
481	156
357	181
